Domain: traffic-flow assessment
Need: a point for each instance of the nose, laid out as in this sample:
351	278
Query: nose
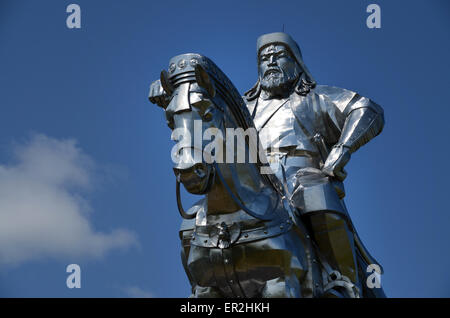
180	100
188	132
272	60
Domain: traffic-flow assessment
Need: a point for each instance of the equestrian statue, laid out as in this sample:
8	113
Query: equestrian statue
272	221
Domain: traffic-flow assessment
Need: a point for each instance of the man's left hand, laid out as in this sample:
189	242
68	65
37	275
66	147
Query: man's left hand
337	159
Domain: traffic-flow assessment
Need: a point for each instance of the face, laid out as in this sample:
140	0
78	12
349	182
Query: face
277	69
190	113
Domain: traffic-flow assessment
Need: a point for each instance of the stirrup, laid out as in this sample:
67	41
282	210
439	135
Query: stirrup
338	283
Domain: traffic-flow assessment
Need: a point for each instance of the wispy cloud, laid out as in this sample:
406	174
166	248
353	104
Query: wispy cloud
43	204
137	292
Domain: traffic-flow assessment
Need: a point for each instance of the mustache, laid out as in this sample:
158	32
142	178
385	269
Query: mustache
273	70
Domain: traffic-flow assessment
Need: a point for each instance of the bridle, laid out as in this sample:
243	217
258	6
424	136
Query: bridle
233	196
236	199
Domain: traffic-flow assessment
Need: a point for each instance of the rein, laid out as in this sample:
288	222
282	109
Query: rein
235	198
238	201
183	213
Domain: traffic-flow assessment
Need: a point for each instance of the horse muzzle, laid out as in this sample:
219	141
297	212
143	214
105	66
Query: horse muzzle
196	178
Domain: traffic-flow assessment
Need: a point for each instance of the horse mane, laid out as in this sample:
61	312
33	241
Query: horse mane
228	92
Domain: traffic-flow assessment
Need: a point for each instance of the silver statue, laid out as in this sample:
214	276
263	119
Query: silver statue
285	234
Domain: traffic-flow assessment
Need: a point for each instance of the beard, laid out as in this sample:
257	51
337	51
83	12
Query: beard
278	83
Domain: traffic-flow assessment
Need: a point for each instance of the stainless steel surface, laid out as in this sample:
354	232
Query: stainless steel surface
282	235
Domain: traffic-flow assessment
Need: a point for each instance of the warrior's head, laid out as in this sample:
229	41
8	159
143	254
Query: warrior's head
277	70
280	67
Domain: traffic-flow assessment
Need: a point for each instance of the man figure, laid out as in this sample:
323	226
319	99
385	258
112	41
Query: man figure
316	129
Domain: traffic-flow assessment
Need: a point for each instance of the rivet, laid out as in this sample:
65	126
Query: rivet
193	238
246	235
281	227
265	232
206	241
226	261
181	64
231	281
193	62
172	67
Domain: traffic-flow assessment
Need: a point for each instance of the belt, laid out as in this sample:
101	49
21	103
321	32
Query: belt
224	236
294	159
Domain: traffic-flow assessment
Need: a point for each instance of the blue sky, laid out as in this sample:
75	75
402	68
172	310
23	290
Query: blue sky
85	168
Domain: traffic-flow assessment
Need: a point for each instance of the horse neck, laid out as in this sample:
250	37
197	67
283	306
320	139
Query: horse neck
245	182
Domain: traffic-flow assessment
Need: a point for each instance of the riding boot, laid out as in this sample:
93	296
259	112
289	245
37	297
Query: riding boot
335	241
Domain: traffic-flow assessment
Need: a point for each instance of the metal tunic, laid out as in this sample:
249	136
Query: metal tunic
297	121
289	128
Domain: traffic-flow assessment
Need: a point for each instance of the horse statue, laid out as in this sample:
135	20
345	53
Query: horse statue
242	238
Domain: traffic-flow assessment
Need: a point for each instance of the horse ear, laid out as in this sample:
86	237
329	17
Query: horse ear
165	83
204	80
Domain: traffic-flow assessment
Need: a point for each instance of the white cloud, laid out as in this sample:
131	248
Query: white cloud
43	205
137	292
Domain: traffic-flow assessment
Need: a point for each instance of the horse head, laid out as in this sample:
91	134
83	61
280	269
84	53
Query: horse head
204	102
190	112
